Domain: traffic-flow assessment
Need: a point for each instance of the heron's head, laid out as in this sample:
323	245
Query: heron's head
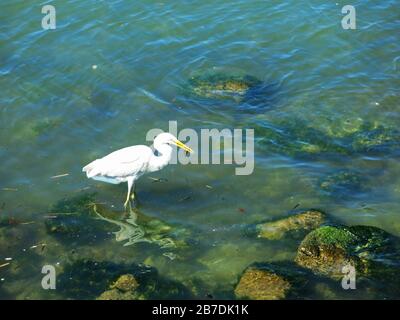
170	139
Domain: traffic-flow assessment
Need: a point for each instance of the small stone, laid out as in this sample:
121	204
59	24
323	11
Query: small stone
299	223
125	283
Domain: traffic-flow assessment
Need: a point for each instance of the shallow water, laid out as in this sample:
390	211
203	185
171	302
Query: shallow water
58	114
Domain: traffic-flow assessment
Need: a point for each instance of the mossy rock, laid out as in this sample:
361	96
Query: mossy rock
379	140
125	283
122	289
88	279
294	226
343	184
297	139
115	294
220	85
270	281
328	249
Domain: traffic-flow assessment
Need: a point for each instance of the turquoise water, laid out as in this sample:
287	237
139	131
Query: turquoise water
58	113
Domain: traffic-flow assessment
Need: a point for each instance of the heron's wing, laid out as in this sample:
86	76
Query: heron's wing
130	161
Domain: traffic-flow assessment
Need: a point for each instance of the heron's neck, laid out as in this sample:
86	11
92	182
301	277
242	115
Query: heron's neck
157	162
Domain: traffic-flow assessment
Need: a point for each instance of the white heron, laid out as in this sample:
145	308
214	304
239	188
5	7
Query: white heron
130	163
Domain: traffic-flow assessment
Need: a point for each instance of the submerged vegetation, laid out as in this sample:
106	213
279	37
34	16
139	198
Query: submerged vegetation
296	138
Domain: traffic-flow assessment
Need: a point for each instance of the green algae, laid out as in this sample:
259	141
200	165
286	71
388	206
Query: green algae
371	251
271	281
293	226
221	85
343	184
297	138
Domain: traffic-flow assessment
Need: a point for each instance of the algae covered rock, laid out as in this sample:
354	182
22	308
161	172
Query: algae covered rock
220	85
267	281
295	225
378	139
89	279
122	289
342	184
126	282
328	249
115	294
299	138
296	138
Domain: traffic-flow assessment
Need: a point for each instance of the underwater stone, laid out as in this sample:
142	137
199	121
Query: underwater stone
126	282
87	279
296	138
221	85
293	225
122	289
270	281
115	294
328	249
376	140
343	184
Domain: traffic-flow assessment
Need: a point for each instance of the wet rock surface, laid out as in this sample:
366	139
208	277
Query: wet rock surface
270	281
328	249
298	139
294	226
343	184
88	279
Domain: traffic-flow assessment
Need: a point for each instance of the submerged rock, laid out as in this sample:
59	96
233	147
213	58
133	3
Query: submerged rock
328	249
72	218
126	282
122	289
115	294
343	184
298	138
295	225
219	85
265	281
88	279
380	140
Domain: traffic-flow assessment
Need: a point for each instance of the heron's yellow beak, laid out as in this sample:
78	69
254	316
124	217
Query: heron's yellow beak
183	146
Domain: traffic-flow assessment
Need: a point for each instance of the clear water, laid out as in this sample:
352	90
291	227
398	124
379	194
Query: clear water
58	114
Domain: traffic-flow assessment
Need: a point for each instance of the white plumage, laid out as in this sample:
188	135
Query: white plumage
129	164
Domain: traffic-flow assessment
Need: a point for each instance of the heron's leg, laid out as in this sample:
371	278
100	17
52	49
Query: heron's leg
130	184
134	196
